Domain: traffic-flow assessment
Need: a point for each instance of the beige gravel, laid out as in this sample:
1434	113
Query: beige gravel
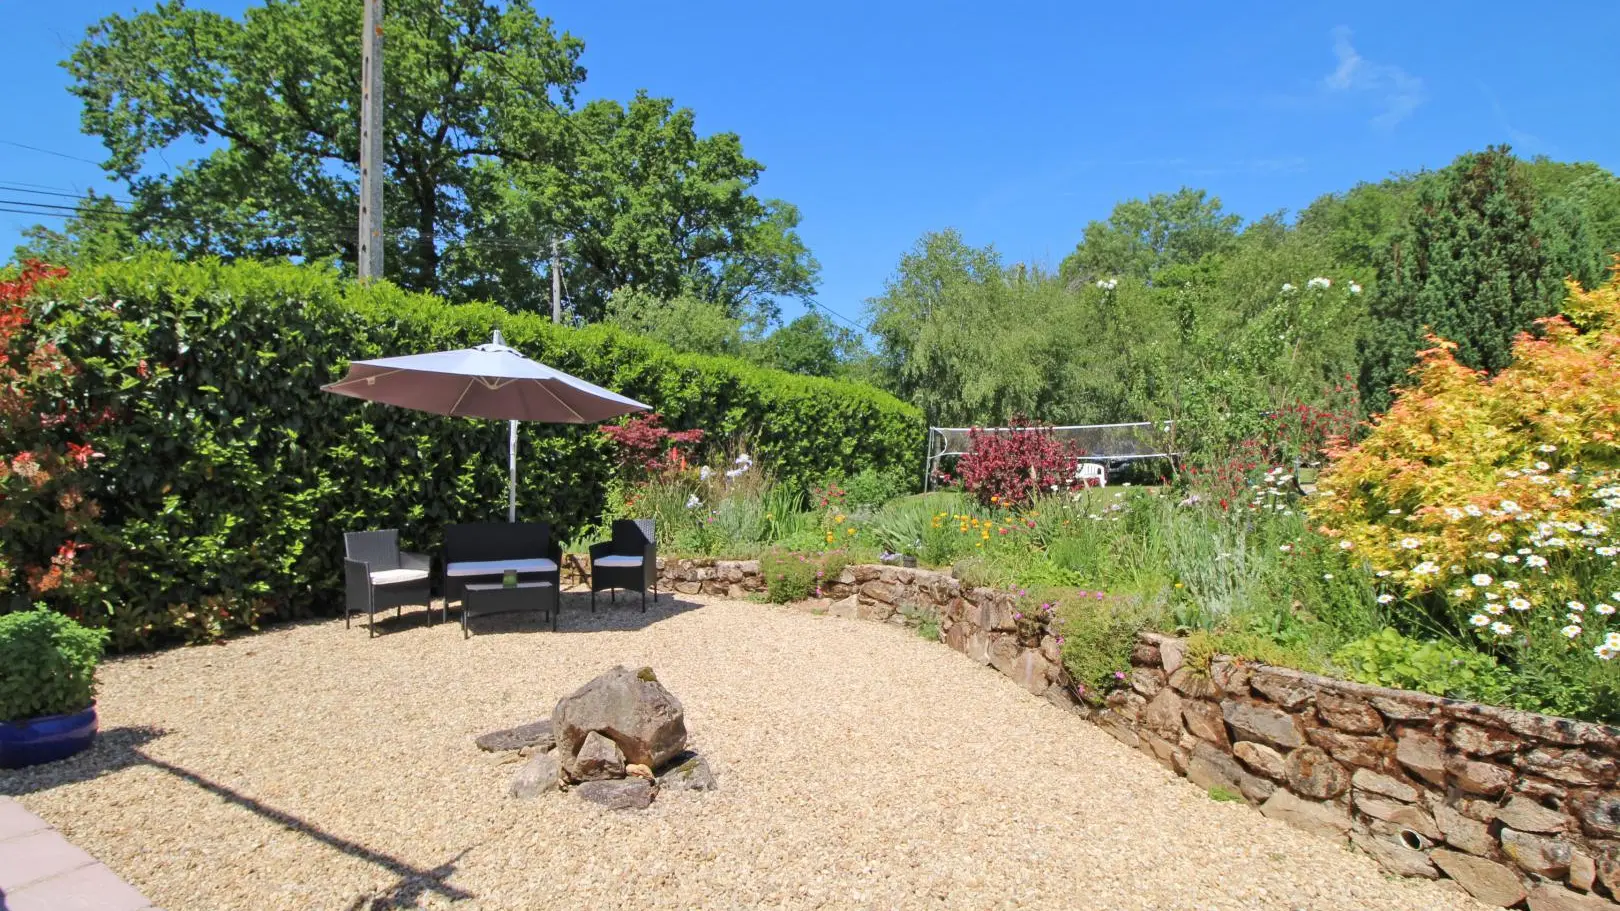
860	767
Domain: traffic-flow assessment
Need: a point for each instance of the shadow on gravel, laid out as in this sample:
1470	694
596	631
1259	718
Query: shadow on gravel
120	748
575	616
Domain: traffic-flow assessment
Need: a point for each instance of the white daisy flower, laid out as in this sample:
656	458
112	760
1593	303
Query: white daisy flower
1481	580
1494	537
1571	631
1575	606
1480	620
1604	609
1508	506
1547	447
1519	604
1473	510
1410	543
1605	651
1501	629
1345	545
1385	598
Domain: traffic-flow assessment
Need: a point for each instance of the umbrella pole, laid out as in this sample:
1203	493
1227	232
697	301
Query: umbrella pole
511	469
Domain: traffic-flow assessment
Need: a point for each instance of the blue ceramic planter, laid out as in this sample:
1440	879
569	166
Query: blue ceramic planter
47	739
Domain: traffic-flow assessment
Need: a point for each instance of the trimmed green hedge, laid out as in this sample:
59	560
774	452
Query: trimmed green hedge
229	477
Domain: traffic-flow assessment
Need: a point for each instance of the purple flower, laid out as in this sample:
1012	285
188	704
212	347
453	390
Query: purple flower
1119	675
1059	640
1017	616
1100	596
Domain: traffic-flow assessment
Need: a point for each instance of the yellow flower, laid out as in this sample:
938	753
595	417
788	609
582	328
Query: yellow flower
829	537
852	530
769	517
838	519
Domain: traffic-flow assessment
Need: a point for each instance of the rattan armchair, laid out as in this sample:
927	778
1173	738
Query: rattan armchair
377	575
629	561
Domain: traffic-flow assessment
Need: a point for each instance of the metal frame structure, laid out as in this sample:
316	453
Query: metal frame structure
1156	432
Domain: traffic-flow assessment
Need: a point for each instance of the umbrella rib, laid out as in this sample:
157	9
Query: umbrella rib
464	390
554	397
368	380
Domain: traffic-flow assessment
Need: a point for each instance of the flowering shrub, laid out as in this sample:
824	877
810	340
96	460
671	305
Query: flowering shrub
1010	467
1491	499
644	447
44	512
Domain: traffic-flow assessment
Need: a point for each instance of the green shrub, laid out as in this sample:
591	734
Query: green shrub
1388	658
870	488
1224	794
1097	635
929	629
229	477
788	576
47	664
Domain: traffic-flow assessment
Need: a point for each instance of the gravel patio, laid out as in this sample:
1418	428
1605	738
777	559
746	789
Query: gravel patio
859	765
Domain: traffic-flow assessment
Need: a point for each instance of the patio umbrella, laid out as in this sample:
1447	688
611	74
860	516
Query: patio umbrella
487	381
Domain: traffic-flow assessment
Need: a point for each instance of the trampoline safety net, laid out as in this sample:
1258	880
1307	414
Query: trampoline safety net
1106	443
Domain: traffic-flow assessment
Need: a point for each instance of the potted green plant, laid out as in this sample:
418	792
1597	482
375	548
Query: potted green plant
47	686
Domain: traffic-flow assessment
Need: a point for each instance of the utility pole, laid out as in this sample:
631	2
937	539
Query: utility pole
371	142
556	281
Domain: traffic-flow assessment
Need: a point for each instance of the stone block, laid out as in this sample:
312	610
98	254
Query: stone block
1260	758
1549	897
1481	741
1285	688
1383	785
1422	755
1463	832
1486	880
1204	720
1367	752
1545	857
1127	704
1004	654
1032	671
1348	714
1324	819
1312	773
1576	767
1395	857
1404	816
1208	767
1163	714
1403	706
1251	721
1172	654
1526	815
1478	777
1600	814
1147	680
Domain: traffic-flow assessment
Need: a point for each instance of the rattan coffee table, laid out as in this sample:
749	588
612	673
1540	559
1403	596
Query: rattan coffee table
486	599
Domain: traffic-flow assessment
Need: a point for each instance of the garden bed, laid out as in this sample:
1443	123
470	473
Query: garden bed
859	766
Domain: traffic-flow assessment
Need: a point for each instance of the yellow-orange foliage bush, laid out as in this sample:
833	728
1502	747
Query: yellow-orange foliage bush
1495	494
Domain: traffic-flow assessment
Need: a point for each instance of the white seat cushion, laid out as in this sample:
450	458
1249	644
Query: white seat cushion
497	567
616	561
396	576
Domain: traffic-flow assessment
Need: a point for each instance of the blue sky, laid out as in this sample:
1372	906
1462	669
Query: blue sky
1016	122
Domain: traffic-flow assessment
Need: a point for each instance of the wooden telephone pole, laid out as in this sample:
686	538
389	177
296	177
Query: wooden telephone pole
371	142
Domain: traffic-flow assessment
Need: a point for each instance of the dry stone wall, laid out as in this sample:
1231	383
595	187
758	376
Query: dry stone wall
1519	809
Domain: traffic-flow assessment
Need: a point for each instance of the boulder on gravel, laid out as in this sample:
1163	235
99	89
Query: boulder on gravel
619	794
688	772
630	708
537	734
536	777
599	758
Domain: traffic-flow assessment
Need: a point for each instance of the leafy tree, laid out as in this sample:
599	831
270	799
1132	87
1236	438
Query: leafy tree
1595	193
1478	262
1357	227
485	158
684	323
1141	237
812	345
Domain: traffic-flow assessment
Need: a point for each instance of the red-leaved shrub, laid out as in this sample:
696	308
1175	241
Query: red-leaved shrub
645	447
1007	467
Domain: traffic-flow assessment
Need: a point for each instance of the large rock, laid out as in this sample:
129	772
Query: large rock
1576	767
1542	856
1526	815
1488	881
619	794
1548	897
1471	738
688	772
1394	857
536	777
1400	815
1313	773
631	708
536	735
1172	653
599	758
1147	681
1324	819
1263	723
1361	751
1286	688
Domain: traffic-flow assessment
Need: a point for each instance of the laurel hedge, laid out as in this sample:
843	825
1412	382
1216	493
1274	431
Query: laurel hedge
229	478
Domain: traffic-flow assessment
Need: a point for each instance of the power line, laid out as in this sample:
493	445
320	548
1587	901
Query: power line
59	191
836	315
30	148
